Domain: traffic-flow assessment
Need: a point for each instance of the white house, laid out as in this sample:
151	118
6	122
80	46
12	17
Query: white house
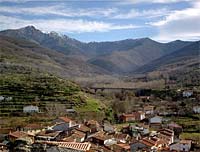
30	109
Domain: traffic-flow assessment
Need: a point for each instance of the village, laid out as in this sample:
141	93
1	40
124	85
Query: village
149	129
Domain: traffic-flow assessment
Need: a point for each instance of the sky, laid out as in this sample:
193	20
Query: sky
106	20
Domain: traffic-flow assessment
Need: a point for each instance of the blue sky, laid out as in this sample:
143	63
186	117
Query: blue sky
104	20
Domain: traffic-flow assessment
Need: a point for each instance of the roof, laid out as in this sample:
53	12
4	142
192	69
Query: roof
68	139
18	134
48	133
76	146
65	119
71	145
92	122
33	126
174	125
128	115
78	134
148	107
151	141
121	136
185	141
124	146
101	136
30	106
83	128
166	132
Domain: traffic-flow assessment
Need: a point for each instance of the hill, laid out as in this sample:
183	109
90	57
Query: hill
181	67
186	56
22	53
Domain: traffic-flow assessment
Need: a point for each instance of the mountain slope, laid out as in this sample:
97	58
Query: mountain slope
22	53
133	54
50	40
184	57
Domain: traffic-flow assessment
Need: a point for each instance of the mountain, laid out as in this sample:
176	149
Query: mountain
184	57
127	55
117	57
50	40
19	54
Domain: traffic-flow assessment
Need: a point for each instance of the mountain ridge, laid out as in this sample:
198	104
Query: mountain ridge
117	57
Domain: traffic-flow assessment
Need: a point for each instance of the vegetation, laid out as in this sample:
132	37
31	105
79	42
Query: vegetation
191	136
42	90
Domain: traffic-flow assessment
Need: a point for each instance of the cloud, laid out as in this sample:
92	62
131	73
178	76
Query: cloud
133	13
181	24
152	1
62	25
59	10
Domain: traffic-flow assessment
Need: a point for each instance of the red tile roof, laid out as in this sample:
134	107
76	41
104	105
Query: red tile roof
124	146
65	119
92	122
33	126
70	145
76	146
83	128
18	134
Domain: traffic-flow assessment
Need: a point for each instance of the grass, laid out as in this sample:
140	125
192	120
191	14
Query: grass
41	90
90	105
191	136
189	124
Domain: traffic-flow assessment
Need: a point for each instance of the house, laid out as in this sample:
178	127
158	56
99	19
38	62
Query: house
148	110
176	128
70	111
139	115
101	138
154	143
62	124
13	136
127	117
122	138
30	109
84	129
78	136
135	116
148	142
137	146
108	128
48	135
3	147
33	128
167	135
183	145
121	148
155	122
139	130
93	125
187	93
196	109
